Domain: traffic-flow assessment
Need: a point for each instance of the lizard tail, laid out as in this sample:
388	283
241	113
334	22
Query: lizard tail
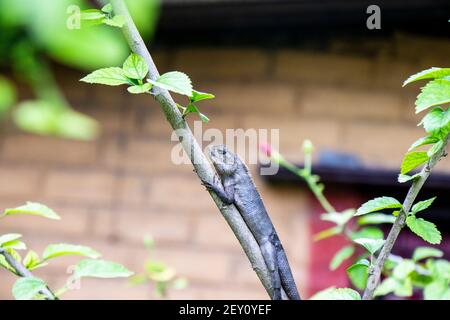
287	279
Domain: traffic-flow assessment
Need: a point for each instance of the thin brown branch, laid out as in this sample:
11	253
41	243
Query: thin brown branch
375	271
201	165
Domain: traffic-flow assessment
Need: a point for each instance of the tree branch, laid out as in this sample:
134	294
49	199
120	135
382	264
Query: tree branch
201	165
25	273
375	272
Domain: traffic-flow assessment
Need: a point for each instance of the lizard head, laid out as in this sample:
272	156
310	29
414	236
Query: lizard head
224	160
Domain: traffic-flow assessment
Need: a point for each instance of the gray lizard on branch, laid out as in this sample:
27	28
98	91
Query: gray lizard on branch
237	187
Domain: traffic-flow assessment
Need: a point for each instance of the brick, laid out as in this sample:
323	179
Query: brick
112	119
103	223
209	63
390	73
294	129
190	195
143	154
107	96
135	190
6	284
103	289
214	232
370	142
204	266
162	58
350	104
166	228
18	181
69	81
73	223
417	50
251	97
31	149
79	185
323	68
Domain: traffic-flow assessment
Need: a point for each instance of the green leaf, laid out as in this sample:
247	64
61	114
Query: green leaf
91	14
358	273
143	88
203	117
422	205
412	160
378	204
191	108
423	141
437	290
180	283
9	237
5	264
31	260
387	286
404	288
109	76
33	208
340	256
27	288
62	249
339	218
437	122
328	233
100	269
432	73
199	96
376	218
368	232
174	81
117	21
15	244
424	229
402	178
372	245
426	252
337	294
403	269
42	117
436	92
107	8
435	148
135	67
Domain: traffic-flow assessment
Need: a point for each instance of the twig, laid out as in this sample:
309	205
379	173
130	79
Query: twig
375	271
201	165
21	271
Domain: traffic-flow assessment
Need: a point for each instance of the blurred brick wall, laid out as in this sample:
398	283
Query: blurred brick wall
112	191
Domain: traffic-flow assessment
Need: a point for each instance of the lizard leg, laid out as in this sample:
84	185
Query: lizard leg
269	253
219	190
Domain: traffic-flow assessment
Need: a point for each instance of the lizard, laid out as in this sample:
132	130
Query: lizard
237	187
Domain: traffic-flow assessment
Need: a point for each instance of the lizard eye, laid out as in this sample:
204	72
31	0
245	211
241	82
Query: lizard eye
222	152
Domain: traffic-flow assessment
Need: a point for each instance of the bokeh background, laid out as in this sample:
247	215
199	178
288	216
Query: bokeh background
100	157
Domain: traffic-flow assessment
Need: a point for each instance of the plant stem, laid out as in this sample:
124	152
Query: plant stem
202	167
310	181
375	272
21	271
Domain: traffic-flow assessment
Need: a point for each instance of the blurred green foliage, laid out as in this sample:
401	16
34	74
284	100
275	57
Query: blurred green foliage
157	273
32	31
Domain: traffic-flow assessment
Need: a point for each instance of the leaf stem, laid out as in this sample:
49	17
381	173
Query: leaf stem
312	183
374	276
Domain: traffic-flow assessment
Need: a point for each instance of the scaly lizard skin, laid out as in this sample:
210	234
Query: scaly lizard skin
238	188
